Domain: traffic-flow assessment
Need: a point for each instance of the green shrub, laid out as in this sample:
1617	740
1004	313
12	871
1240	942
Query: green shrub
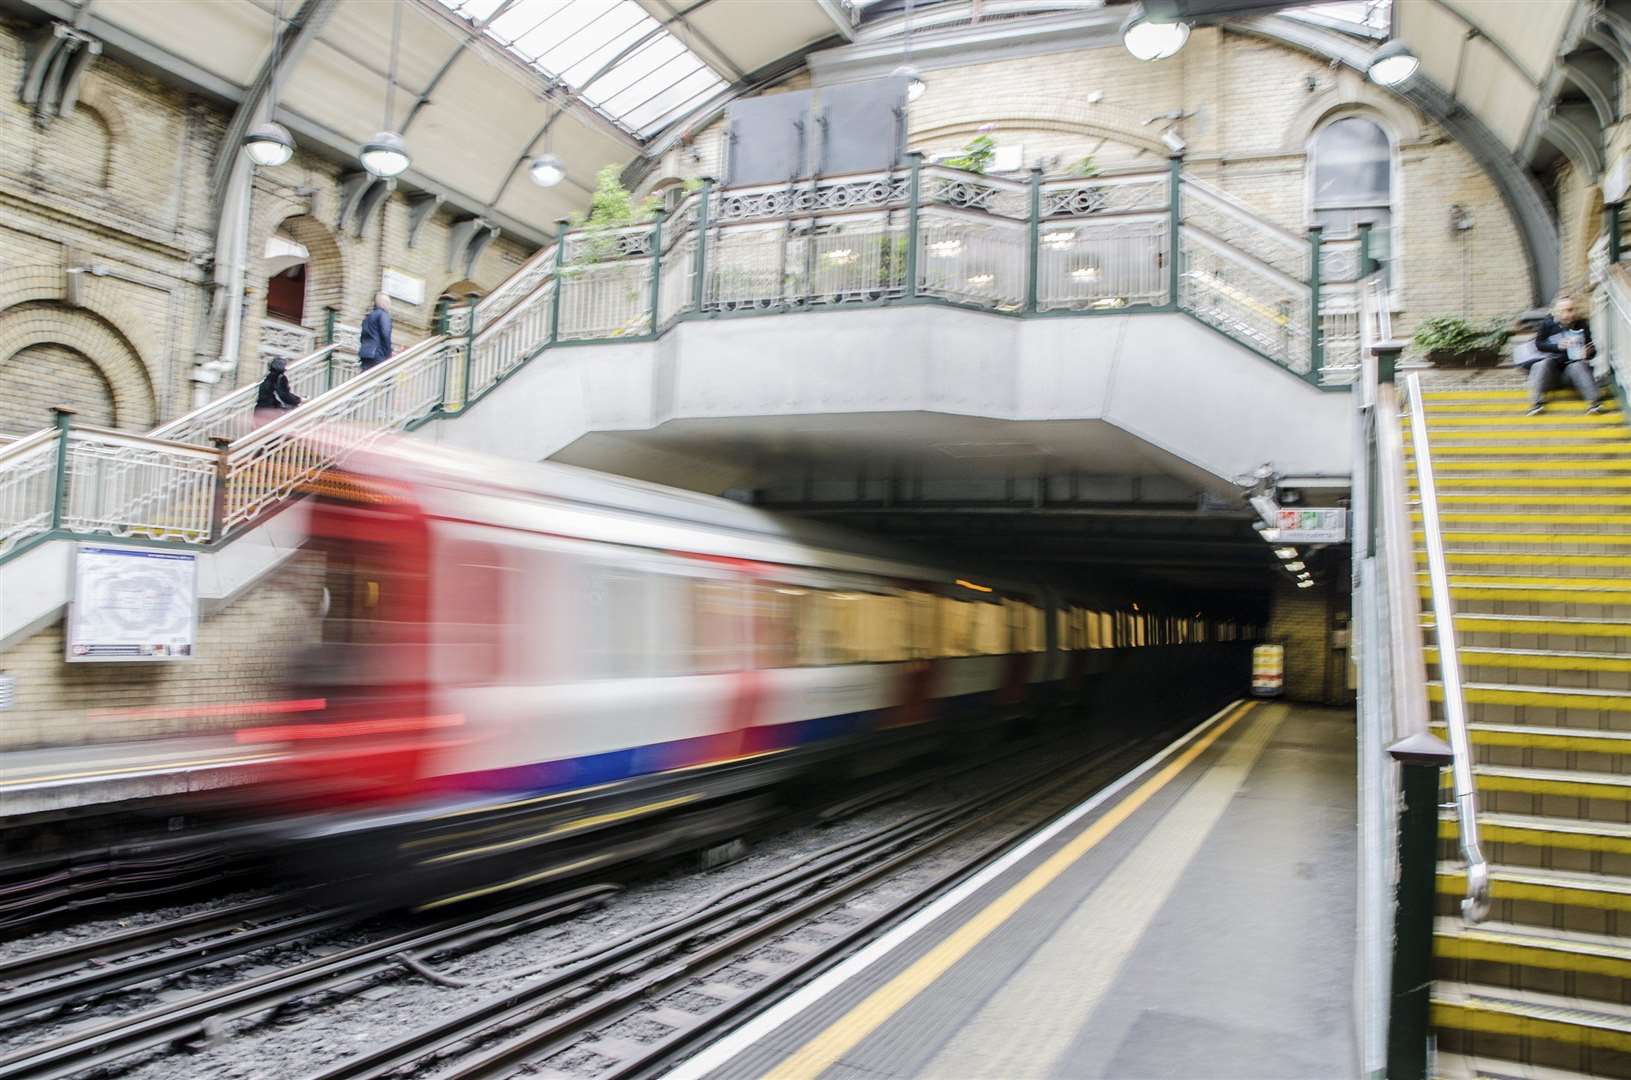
976	156
1459	337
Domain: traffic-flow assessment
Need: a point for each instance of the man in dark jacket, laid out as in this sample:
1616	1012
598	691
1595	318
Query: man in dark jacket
1565	347
375	344
274	395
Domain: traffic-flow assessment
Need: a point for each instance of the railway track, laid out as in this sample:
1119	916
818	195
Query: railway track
629	1007
558	1011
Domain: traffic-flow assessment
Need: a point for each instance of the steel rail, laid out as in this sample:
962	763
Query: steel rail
1475	906
204	1012
726	925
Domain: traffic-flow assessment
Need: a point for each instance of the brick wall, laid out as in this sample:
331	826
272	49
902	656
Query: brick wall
246	653
123	183
1302	621
1250	109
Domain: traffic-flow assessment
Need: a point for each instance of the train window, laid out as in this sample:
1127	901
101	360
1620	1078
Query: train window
956	628
921	613
670	624
775	625
990	630
471	582
719	614
887	623
366	599
614	622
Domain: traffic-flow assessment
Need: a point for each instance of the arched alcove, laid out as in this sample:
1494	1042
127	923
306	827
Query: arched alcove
51	354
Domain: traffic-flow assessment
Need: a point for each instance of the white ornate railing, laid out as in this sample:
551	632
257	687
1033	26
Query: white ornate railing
232	416
136	485
28	485
1234	223
275	462
1014	246
1246	299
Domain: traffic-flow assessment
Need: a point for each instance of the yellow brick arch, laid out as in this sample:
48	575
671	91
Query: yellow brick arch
1090	121
47	322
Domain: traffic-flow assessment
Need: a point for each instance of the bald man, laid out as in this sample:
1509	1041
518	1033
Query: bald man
375	345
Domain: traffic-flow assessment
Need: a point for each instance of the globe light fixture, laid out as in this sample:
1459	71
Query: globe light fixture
385	155
269	144
1150	40
546	170
1392	64
914	81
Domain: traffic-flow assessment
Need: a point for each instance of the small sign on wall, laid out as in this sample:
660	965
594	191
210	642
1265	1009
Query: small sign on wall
132	604
1313	525
400	286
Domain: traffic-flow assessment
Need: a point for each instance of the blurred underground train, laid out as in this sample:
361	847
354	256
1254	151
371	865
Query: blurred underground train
511	640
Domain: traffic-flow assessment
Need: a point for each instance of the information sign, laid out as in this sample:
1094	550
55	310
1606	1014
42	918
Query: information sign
132	604
1312	525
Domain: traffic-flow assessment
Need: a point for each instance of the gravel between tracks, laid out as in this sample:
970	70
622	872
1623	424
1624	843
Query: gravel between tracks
320	1031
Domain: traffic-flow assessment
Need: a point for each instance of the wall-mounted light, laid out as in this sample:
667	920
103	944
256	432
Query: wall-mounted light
1295	566
1392	64
1147	39
1285	553
1305	584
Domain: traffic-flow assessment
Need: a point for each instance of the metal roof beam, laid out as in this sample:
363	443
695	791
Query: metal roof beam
289	44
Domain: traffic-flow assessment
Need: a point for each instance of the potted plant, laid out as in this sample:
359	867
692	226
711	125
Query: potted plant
1448	339
976	157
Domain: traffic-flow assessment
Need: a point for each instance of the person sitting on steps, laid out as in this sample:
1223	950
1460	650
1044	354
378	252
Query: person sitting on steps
1564	345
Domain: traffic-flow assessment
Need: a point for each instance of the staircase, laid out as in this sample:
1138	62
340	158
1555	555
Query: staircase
1536	519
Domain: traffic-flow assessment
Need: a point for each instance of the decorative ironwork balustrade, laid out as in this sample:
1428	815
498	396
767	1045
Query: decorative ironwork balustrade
1116	242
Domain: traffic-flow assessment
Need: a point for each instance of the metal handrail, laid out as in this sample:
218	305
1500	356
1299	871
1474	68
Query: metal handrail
1476	903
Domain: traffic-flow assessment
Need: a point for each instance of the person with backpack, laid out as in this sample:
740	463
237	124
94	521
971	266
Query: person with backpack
274	396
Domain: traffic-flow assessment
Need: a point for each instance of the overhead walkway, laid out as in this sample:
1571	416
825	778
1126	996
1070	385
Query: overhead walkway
1146	302
1194	919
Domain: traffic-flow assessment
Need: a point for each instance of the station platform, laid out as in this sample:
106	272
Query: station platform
66	778
1195	919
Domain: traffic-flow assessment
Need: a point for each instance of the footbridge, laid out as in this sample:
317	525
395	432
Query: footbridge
1128	343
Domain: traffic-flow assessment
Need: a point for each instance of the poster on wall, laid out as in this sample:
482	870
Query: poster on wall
132	604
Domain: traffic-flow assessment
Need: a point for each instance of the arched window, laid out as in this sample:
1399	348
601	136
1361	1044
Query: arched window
1352	163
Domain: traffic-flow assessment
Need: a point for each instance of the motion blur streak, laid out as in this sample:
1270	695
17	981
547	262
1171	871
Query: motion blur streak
295	732
197	712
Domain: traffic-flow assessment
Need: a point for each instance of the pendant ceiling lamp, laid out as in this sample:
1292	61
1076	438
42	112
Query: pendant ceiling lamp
386	155
270	144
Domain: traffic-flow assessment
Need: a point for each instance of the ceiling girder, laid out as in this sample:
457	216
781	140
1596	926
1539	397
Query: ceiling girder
296	35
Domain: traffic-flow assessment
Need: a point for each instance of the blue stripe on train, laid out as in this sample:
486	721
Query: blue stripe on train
564	774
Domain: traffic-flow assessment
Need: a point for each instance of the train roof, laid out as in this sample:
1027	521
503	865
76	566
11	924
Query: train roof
780	537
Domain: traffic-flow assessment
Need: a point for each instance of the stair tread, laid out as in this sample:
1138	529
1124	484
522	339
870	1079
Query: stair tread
1574	826
1537	937
1447	1066
1571	620
1562	879
1567	776
1489	656
1533	581
1586	1012
1600	734
1570	691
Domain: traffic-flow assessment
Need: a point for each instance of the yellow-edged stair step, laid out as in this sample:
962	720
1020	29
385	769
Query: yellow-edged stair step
1532	498
1482	393
1536	484
1523	435
1537	624
1534	947
1544	697
1607	560
1536	659
1583	590
1554	539
1558	404
1524	1014
1542	466
1609	837
1447	1066
1566	887
1587	451
1519	418
1565	783
1538	737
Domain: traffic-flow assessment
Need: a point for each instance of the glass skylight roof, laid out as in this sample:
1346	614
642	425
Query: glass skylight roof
611	53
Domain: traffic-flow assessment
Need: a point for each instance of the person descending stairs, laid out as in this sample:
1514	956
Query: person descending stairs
1536	520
